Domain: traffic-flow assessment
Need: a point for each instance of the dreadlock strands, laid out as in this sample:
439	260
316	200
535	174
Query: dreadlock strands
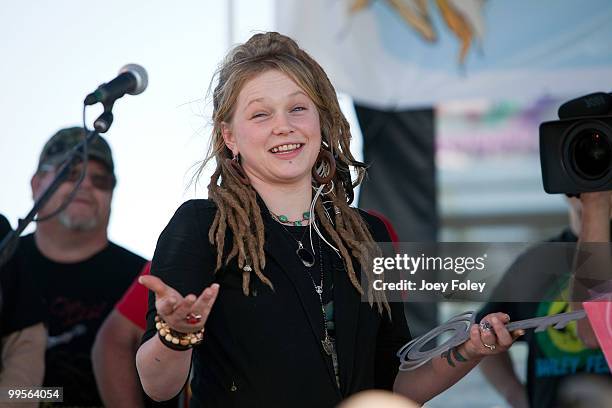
246	275
230	193
240	218
220	236
348	263
255	214
236	170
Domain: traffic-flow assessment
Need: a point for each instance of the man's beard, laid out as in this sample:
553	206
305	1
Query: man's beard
77	223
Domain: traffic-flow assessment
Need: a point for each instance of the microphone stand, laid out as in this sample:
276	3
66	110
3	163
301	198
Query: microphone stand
10	241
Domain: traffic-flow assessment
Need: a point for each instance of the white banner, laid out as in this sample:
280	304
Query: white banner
397	54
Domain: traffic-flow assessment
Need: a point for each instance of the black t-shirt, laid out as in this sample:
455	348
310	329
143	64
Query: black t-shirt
77	298
554	355
18	309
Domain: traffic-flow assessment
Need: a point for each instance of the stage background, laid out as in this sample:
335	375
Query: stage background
520	60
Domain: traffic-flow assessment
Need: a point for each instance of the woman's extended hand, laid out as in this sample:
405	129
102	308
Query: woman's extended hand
184	314
490	337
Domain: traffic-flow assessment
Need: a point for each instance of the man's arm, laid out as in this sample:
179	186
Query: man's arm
23	357
595	228
113	357
499	372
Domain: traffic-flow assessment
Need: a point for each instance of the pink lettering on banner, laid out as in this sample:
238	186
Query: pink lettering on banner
600	317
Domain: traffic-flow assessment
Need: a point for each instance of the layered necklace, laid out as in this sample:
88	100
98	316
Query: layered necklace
306	257
308	260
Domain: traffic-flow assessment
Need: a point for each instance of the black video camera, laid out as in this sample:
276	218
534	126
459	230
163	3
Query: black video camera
576	151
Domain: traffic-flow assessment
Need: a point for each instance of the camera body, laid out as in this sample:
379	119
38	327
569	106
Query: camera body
576	151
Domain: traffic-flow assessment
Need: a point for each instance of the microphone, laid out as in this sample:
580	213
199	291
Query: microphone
132	79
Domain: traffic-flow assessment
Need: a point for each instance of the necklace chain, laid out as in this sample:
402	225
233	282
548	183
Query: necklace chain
327	342
283	219
306	257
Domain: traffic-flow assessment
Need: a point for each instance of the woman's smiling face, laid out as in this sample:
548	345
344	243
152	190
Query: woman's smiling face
275	128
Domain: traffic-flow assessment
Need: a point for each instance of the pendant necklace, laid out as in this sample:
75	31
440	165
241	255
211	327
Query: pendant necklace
328	343
306	257
308	260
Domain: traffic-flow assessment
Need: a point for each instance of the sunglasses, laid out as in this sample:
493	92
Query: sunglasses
103	182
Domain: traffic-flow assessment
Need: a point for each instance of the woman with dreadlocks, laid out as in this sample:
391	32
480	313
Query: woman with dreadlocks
262	278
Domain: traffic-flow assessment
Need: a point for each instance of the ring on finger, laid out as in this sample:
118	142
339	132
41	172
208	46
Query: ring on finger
485	326
193	318
489	346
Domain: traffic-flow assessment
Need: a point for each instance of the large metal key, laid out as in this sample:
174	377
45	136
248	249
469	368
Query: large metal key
558	321
411	356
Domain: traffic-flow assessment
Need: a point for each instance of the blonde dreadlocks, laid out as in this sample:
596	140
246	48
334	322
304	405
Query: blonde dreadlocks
237	203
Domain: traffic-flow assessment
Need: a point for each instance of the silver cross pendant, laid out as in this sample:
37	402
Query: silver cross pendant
328	345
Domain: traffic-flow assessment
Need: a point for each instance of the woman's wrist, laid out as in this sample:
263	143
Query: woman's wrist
177	340
464	351
459	355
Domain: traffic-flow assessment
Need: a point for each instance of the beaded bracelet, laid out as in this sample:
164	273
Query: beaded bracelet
177	340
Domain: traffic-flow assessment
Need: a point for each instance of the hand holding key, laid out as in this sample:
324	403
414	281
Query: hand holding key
468	335
491	336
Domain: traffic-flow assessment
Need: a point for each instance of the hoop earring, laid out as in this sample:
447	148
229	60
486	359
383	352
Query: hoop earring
329	191
324	169
236	170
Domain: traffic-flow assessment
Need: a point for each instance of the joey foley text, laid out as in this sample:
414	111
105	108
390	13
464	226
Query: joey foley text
403	263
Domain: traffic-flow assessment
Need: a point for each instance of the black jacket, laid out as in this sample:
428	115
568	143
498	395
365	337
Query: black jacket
264	350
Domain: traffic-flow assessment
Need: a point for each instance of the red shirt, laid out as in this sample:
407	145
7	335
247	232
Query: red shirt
134	303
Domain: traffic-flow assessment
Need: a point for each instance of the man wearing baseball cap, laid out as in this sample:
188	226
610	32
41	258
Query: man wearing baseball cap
80	273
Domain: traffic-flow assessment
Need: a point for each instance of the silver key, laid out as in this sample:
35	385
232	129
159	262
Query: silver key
558	321
411	356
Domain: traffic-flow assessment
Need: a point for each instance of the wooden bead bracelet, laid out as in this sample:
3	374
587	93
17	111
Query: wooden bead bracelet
177	340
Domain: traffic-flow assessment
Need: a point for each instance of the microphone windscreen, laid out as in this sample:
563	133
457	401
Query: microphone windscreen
142	78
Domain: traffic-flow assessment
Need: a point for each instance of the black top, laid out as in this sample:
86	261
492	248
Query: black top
264	350
77	298
554	355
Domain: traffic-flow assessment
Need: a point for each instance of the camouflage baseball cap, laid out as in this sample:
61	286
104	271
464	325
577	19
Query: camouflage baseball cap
57	148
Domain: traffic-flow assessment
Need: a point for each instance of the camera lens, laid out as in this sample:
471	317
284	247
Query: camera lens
591	153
